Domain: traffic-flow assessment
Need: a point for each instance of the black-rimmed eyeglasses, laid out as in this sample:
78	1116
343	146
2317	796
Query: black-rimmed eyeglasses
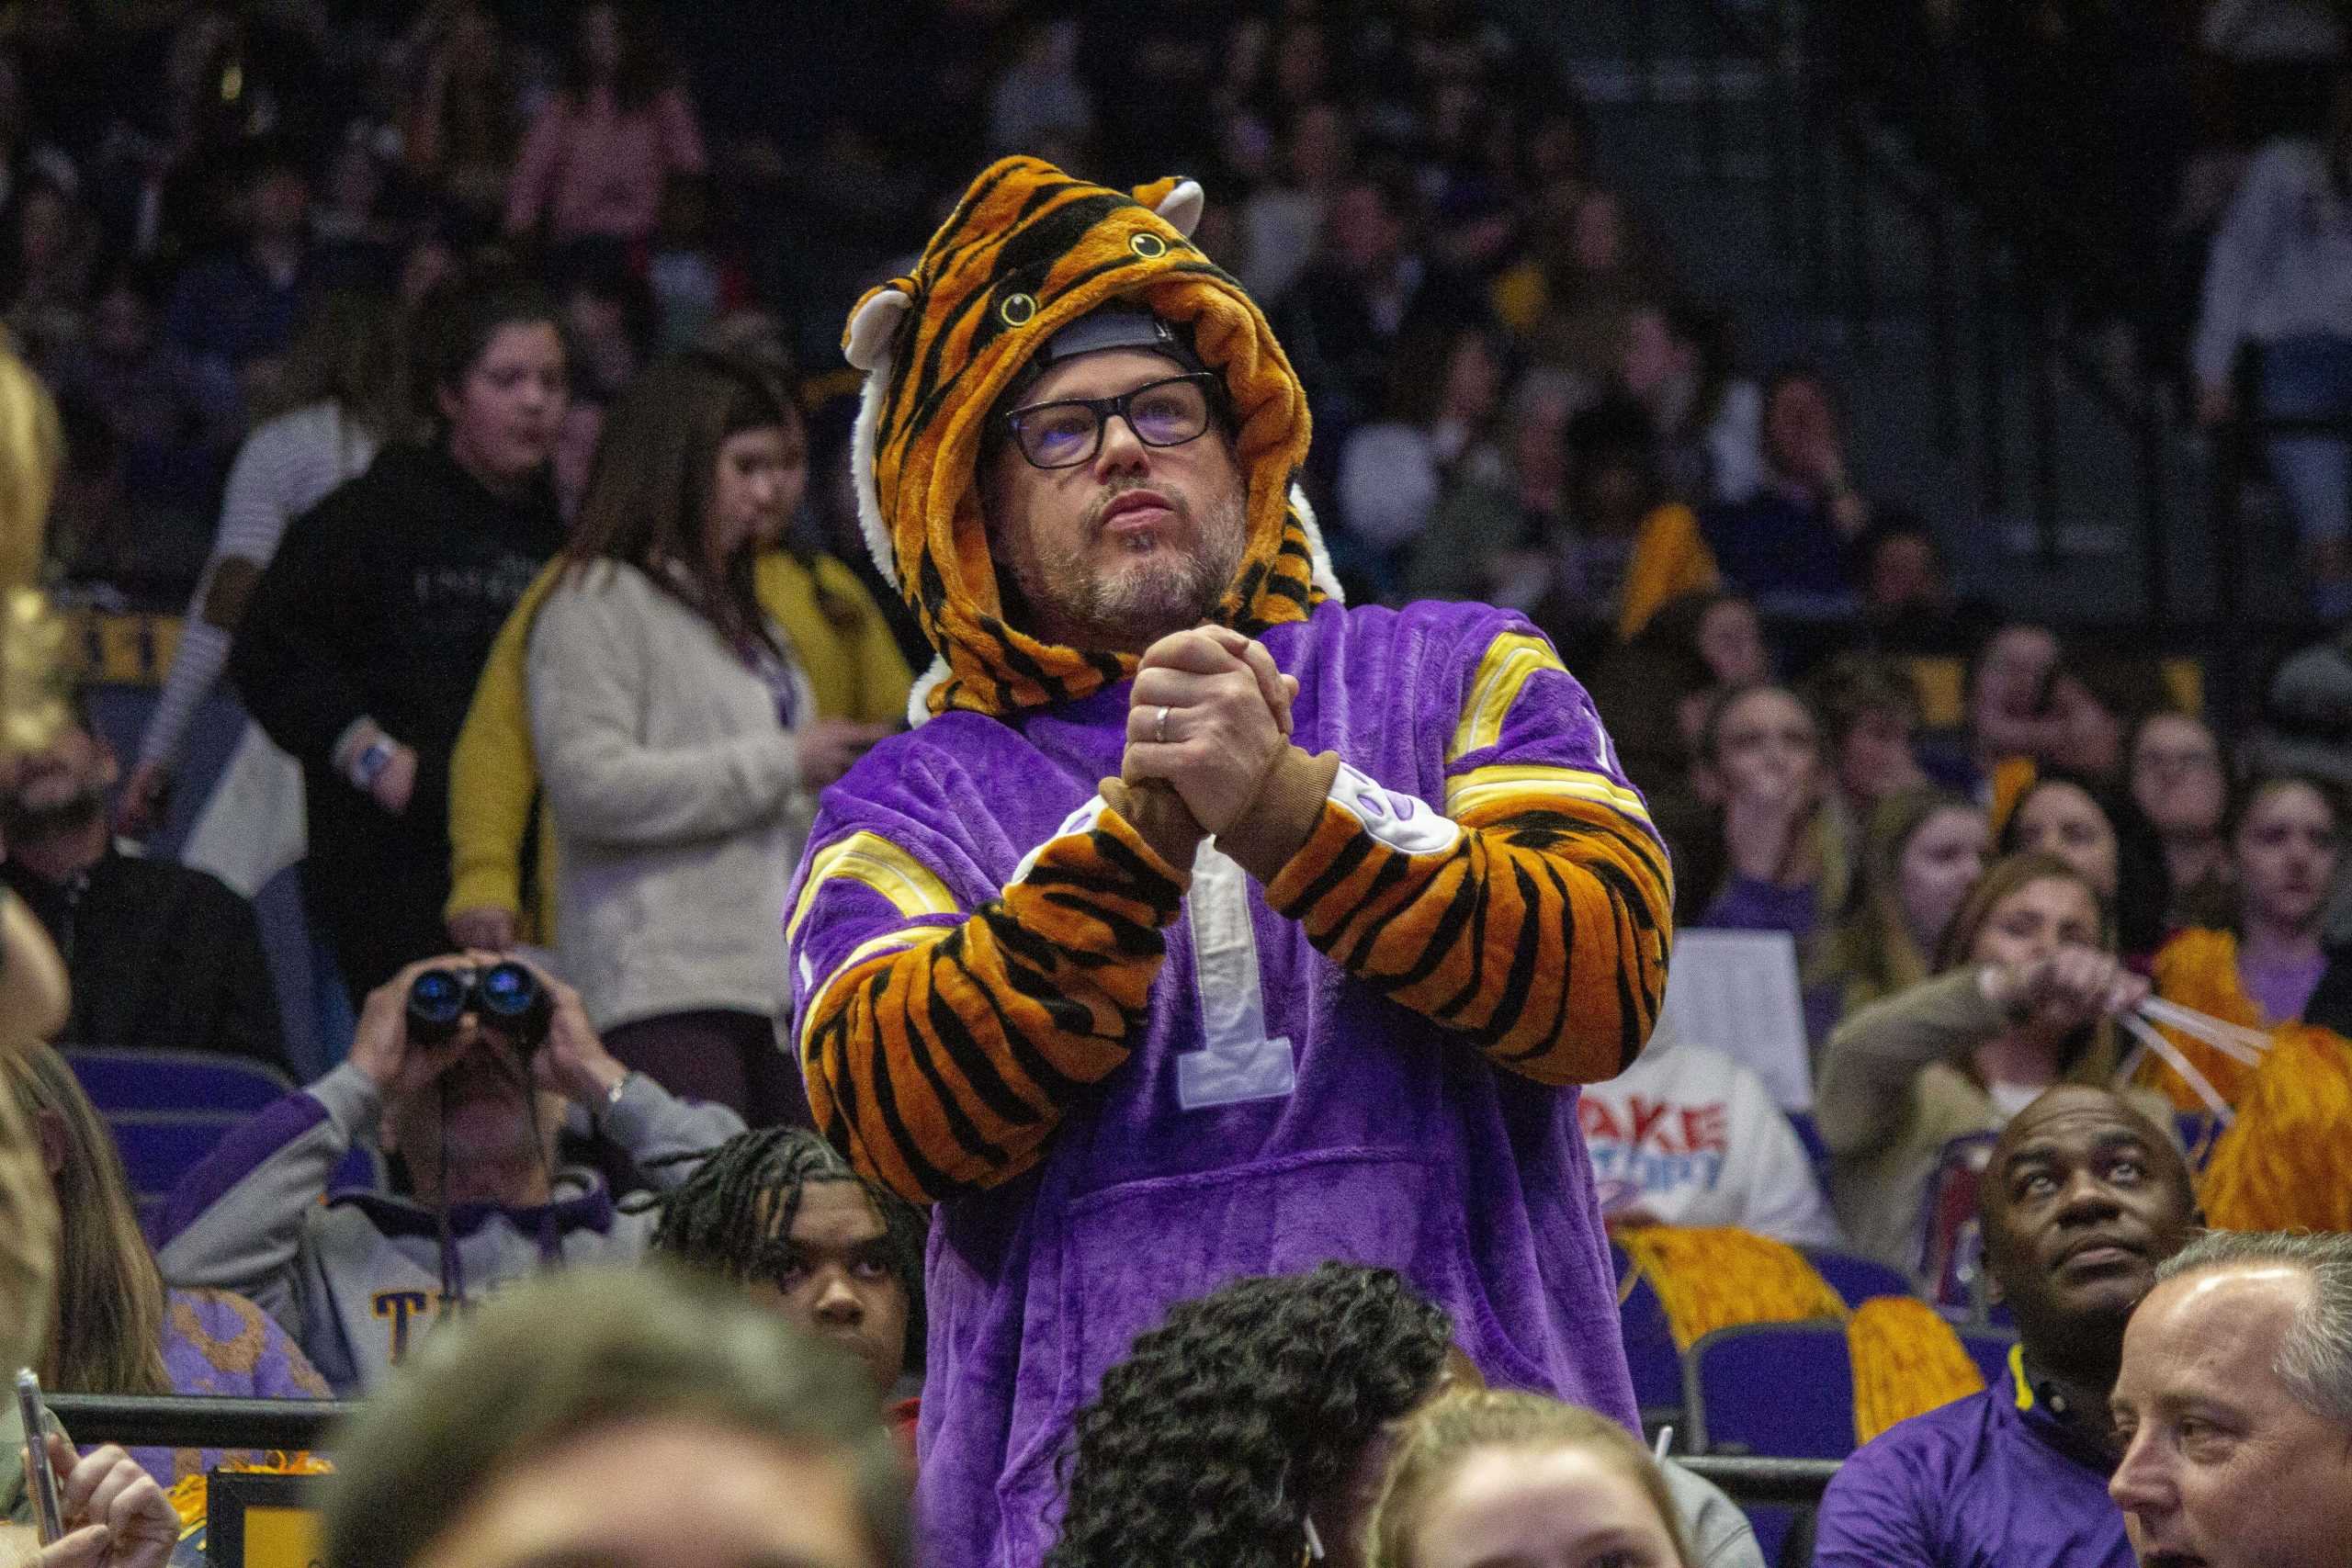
1069	431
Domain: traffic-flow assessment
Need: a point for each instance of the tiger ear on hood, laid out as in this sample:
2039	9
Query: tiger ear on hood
874	322
1176	200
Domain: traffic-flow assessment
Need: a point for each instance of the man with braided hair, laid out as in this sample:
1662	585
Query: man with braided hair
1204	927
779	1212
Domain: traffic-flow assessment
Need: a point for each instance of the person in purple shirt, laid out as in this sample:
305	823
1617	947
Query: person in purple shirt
2082	1198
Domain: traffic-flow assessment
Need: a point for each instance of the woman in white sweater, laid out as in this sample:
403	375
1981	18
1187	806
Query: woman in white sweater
677	734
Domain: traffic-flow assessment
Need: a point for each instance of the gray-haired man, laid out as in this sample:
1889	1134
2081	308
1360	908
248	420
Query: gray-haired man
2235	1406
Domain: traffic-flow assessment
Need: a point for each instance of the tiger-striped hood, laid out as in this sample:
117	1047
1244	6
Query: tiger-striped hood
1028	251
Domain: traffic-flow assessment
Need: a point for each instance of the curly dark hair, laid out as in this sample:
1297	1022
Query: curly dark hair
1210	1440
734	1215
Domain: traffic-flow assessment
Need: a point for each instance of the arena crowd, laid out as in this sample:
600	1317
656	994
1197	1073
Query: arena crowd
990	807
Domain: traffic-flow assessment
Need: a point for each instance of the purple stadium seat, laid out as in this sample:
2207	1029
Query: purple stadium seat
122	1079
1650	1354
1856	1279
1777	1391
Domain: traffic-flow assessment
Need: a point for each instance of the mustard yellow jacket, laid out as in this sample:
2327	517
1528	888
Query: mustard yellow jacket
852	662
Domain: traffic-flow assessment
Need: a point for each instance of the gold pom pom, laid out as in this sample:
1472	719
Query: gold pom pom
2286	1164
1710	1279
1907	1361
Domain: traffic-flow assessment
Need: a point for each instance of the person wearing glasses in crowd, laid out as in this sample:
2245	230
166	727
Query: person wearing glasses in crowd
1205	927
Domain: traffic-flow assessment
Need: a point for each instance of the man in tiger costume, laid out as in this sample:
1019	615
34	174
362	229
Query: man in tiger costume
1203	926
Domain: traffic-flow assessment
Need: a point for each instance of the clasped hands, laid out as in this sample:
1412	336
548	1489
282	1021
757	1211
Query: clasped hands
1209	720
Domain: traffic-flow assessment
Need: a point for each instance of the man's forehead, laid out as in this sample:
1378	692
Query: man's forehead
1104	374
2215	1331
836	1213
2074	1117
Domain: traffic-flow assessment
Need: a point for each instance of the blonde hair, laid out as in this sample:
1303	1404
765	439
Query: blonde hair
109	1335
1439	1441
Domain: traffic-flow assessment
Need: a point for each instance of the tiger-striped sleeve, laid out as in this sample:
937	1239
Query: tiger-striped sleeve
1534	914
941	1047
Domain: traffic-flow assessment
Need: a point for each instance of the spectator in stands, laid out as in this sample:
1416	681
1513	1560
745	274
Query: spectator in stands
2027	978
914	879
159	954
1444	383
1759	765
45	286
117	1330
677	730
168	428
360	648
1656	692
2281	279
1907	590
627	1418
1677	363
2084	1199
458	133
2009	682
1688	1136
1493	1476
1867	705
1282	221
2177	780
1340	320
2103	837
1486	514
1599	269
235	313
1557	557
1789	546
346	396
479	1201
1787	854
2273	963
2235	1404
1922	849
610	318
1252	1427
1039	93
780	1213
598	156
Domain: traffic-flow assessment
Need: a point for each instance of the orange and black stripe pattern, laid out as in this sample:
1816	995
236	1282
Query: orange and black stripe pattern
1026	251
940	1058
1540	932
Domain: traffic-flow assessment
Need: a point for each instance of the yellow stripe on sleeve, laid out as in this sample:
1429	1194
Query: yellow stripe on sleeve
1482	789
1509	660
906	937
874	861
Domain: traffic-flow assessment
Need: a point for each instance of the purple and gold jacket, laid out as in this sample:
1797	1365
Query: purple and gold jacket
1126	1083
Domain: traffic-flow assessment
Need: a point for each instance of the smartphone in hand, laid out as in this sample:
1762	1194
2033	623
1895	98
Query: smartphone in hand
40	1480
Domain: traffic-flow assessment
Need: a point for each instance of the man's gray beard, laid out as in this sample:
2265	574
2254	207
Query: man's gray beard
1161	591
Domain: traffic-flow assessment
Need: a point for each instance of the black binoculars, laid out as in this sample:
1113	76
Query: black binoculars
507	996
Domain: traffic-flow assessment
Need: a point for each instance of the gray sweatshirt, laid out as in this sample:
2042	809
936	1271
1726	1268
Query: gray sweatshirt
357	1277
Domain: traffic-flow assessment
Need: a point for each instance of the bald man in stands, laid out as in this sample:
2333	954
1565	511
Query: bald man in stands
2082	1198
